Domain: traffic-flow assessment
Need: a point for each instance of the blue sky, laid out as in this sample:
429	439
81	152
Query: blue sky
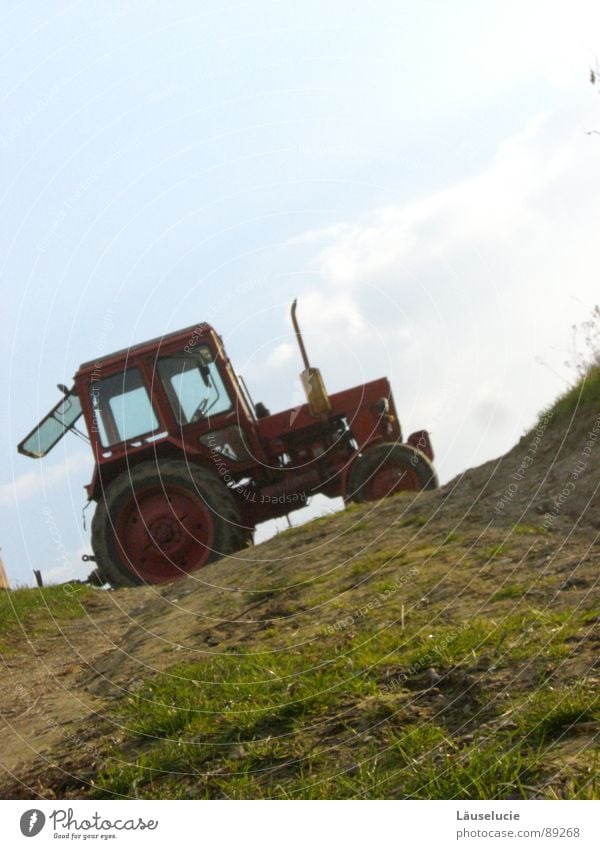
418	175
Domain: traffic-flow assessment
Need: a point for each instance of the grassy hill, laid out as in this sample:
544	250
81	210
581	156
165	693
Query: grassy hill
435	646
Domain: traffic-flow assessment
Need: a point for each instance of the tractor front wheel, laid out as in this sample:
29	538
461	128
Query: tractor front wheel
162	520
388	468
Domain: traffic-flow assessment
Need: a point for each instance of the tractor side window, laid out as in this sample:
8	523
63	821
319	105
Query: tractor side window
122	408
194	386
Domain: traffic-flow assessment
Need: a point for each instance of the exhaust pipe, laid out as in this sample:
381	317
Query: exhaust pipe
319	402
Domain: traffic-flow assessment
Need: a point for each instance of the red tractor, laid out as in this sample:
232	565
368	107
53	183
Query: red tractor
187	465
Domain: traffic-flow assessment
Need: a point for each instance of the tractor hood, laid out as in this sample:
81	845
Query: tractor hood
52	427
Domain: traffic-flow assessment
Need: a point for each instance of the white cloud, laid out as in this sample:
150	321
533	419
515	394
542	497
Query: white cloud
323	311
280	356
454	295
43	477
495	205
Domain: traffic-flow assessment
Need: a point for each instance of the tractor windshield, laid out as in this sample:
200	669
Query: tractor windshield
52	427
194	385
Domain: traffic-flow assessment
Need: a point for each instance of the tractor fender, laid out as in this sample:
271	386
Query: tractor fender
420	439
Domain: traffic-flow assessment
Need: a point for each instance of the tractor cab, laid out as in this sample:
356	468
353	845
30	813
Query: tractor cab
187	466
145	394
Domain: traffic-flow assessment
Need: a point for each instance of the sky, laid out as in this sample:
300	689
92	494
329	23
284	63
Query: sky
422	177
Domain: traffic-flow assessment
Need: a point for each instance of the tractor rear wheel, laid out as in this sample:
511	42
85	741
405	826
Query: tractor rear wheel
162	520
387	468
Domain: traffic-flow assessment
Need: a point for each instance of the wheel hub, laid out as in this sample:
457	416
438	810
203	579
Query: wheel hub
164	531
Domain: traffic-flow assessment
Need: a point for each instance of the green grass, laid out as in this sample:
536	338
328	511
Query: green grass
29	613
478	771
424	762
512	637
509	591
529	530
377	560
195	715
551	714
358	526
542	634
453	536
321	721
584	784
414	521
491	552
418	762
586	392
450	645
262	595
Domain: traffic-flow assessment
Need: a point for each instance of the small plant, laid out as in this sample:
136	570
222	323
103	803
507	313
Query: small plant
585	361
586	344
586	391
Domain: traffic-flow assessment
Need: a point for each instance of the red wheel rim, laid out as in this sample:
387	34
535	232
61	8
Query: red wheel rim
389	478
164	532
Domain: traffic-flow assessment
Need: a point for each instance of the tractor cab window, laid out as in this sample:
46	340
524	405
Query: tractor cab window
194	385
122	407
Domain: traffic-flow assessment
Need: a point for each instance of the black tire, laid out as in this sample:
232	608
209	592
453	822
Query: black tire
121	561
382	463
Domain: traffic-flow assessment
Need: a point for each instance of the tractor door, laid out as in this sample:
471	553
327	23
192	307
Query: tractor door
207	404
52	427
